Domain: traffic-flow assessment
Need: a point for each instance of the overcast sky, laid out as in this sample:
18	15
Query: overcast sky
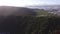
28	2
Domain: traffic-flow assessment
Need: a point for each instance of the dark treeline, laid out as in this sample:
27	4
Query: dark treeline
20	20
29	25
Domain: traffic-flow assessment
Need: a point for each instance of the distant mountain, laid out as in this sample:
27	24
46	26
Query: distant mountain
48	9
43	6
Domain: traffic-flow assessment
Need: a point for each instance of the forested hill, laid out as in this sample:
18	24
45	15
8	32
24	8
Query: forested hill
21	11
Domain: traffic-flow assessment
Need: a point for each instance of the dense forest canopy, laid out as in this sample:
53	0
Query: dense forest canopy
16	23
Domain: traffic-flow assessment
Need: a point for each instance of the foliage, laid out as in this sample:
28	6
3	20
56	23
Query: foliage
42	12
38	25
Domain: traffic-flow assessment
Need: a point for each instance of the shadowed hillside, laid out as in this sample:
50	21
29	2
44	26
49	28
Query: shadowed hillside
29	24
17	11
8	20
19	20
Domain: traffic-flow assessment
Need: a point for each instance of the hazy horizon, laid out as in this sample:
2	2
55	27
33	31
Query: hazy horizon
22	3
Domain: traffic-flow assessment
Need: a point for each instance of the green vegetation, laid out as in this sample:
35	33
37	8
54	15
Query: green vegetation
39	25
44	23
42	12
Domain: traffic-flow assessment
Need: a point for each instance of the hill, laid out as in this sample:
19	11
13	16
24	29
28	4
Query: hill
17	11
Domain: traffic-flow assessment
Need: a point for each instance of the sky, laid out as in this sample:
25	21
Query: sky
28	2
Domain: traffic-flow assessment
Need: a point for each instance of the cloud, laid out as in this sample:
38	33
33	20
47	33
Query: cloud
27	2
52	3
18	2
